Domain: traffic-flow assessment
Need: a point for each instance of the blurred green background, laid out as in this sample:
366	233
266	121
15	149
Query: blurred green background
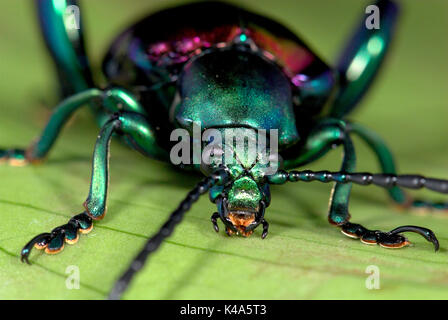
303	257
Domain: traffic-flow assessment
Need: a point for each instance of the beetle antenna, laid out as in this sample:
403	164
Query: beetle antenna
362	178
219	177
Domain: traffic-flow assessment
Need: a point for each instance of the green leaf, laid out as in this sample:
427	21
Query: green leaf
303	256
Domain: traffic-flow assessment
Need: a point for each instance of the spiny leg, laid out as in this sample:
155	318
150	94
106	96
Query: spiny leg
135	127
391	239
386	161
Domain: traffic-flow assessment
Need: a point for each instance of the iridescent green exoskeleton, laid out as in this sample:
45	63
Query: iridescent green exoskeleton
225	69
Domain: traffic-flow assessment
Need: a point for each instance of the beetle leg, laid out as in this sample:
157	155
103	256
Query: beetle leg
62	113
386	160
54	242
370	46
340	195
392	239
66	44
95	204
328	133
135	128
37	151
338	212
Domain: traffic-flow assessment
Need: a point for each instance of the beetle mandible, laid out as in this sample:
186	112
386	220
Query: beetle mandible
229	68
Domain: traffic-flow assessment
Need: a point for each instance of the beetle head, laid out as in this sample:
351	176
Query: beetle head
242	205
242	201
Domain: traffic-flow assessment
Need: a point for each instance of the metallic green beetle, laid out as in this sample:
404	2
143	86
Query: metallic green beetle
226	69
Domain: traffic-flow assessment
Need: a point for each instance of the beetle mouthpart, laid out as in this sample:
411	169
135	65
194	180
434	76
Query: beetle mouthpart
241	220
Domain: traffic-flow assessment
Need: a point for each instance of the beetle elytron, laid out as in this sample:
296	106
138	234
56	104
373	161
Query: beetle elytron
223	67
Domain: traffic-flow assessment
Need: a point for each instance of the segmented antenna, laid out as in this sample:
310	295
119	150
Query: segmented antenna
361	178
219	177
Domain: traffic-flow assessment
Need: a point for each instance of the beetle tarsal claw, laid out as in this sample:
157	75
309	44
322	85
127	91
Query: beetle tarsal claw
391	240
53	242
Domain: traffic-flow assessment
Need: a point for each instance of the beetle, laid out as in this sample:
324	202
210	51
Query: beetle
226	69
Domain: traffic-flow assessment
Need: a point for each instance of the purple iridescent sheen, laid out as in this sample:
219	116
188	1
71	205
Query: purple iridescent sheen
145	52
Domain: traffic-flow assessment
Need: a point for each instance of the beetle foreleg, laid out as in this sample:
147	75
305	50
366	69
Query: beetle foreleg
95	204
134	126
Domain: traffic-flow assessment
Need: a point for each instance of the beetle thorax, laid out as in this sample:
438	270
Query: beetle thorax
235	88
